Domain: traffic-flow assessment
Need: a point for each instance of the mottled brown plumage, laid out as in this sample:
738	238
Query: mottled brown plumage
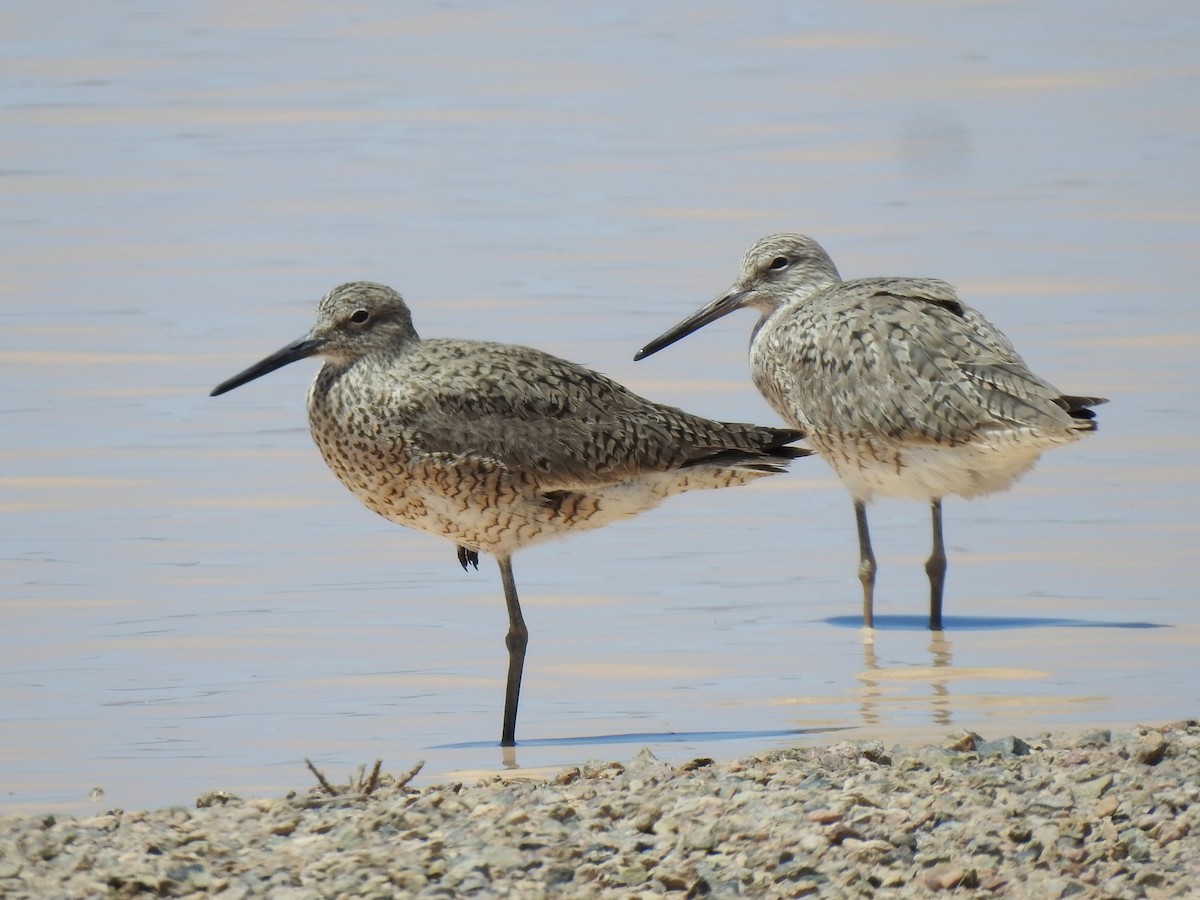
497	447
903	389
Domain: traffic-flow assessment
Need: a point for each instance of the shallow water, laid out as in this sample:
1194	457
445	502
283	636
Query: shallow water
192	601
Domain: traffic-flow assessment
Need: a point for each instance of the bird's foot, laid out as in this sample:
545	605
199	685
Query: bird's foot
467	557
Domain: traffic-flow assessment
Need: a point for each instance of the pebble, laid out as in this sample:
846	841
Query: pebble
1061	815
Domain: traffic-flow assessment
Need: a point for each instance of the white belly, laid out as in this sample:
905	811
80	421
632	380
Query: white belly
927	471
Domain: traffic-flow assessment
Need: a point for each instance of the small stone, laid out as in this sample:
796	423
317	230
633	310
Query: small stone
1020	832
1170	831
101	823
599	768
671	881
284	828
1115	886
1136	844
193	875
875	752
631	875
567	775
1093	789
839	832
1151	749
952	878
1149	878
562	812
935	757
645	819
963	741
503	857
1060	888
216	798
515	817
824	816
1073	828
642	761
811	842
1006	746
698	839
1053	802
1100	737
350	839
665	825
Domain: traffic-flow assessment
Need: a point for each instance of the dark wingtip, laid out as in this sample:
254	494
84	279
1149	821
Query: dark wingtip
786	436
1077	404
781	441
1080	409
772	450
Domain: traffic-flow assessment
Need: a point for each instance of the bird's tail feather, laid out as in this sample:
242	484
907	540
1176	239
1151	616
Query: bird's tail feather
1080	409
771	459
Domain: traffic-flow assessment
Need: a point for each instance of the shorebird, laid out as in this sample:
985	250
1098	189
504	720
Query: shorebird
900	386
495	446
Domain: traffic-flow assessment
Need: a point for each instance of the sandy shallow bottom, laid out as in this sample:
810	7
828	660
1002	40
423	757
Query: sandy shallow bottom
1086	814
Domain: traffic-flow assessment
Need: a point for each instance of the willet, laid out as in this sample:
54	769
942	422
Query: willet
904	389
495	446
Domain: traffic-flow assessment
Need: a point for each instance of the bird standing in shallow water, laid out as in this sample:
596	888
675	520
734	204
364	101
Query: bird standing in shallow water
496	446
904	389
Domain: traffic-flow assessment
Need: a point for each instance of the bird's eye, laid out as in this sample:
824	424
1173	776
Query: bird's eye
359	316
780	262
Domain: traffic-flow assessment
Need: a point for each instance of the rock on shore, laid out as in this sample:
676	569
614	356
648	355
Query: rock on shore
1062	815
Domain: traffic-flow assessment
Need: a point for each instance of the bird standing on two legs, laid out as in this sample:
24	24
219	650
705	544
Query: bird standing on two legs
900	386
496	446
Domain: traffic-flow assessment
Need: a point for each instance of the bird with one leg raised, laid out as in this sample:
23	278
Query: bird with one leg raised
497	447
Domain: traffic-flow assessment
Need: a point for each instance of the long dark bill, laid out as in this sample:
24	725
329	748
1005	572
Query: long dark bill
300	349
722	306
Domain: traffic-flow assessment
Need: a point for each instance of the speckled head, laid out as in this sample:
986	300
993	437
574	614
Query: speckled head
353	321
775	270
782	265
359	318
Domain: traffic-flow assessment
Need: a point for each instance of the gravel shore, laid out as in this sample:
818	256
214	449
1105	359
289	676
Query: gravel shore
1064	815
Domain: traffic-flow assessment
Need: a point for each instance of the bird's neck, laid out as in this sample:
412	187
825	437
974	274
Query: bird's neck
808	280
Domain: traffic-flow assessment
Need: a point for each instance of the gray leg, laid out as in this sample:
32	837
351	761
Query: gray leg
866	564
516	640
935	568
